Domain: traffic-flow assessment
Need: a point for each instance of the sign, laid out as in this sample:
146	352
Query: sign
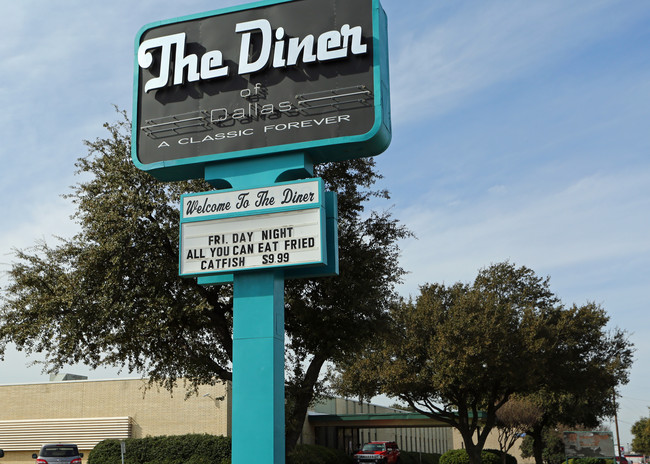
245	97
589	444
224	203
265	78
235	230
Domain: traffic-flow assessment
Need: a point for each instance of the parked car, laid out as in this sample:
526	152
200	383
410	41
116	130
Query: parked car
58	453
380	452
635	458
2	453
621	460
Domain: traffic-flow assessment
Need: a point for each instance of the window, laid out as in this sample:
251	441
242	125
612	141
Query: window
59	451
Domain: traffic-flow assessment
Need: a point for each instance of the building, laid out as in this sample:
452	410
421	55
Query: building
346	424
86	412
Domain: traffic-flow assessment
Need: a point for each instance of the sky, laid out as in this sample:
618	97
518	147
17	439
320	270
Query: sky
520	132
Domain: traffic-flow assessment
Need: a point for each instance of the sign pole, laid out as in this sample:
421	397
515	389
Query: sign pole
258	325
258	376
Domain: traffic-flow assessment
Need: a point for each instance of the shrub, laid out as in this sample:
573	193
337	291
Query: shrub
413	457
590	461
460	456
179	449
105	452
510	459
314	454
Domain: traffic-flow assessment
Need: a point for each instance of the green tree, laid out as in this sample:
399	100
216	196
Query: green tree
568	408
514	418
578	392
460	352
641	432
332	319
111	294
553	449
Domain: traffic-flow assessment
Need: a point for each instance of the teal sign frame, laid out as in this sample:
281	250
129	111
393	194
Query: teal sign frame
164	119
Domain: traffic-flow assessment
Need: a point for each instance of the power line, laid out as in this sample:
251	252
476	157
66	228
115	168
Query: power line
635	399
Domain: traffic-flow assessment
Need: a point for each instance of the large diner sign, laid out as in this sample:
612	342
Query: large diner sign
251	98
277	76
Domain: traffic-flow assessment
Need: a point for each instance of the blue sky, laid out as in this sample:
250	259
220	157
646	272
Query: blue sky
520	132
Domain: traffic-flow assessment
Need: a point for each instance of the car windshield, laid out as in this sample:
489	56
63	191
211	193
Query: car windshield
59	451
374	447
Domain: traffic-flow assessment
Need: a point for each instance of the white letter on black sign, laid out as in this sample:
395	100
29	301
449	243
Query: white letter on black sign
304	46
211	62
265	28
355	32
329	46
145	58
211	65
191	62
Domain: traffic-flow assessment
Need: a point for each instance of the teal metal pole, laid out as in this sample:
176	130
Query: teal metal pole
258	373
258	324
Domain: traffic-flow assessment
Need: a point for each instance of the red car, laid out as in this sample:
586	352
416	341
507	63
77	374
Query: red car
380	452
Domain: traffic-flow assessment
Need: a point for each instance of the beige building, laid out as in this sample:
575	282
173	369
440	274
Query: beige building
89	411
86	412
347	424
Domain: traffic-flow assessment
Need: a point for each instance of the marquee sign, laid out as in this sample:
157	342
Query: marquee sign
269	77
233	230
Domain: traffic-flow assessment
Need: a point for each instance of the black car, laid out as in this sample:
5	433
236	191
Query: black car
58	453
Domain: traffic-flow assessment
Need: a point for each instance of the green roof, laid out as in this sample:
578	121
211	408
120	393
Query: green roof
406	419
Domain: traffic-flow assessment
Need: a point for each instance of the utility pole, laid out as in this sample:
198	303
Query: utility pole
618	437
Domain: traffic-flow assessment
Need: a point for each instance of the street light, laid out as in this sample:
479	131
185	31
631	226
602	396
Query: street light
217	401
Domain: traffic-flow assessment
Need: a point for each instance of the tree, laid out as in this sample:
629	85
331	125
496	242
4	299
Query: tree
641	432
567	409
513	419
578	392
460	352
553	449
332	319
111	294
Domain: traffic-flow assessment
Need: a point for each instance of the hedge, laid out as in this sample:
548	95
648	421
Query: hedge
198	449
510	459
314	454
177	449
488	456
211	449
413	457
591	461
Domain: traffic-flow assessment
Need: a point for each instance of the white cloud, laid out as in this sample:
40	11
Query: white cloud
436	68
592	220
42	219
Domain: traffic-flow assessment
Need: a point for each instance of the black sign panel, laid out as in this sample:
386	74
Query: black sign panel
301	75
